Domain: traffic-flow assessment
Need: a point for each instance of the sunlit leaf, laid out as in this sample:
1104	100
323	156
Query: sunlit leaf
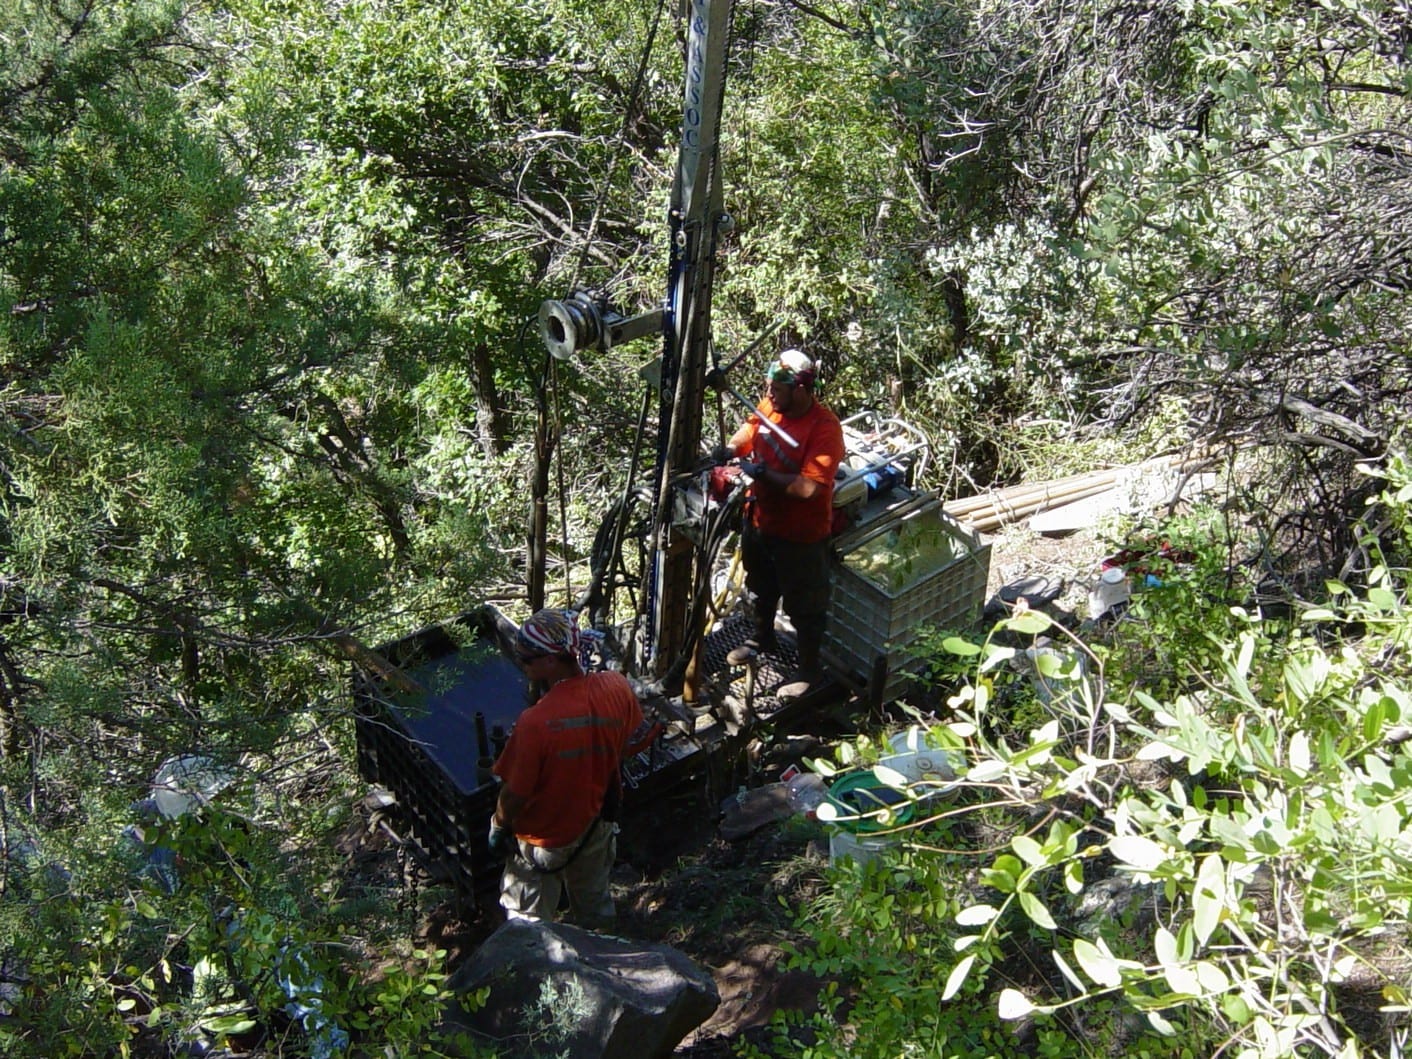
995	658
1208	898
1099	966
1164	944
976	915
957	978
986	771
1068	971
1300	757
1211	977
890	777
1035	909
1160	1024
1140	852
1028	849
1182	979
1014	1004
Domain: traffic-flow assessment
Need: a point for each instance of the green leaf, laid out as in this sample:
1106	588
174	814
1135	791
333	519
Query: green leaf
229	1025
1014	1004
957	978
1235	1009
1002	881
1099	966
1382	598
1373	722
976	915
1035	909
1029	623
958	646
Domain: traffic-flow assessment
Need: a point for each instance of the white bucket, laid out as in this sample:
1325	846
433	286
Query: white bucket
861	849
921	763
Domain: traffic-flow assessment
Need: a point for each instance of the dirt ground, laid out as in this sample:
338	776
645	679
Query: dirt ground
728	904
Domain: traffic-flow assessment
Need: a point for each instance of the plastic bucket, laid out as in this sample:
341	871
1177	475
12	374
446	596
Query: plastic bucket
914	758
858	793
861	849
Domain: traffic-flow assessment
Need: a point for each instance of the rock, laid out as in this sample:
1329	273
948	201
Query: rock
562	991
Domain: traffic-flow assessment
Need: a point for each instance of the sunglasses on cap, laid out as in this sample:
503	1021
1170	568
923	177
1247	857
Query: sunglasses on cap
781	375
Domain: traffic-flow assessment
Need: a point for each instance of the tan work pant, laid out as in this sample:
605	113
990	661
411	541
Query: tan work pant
535	877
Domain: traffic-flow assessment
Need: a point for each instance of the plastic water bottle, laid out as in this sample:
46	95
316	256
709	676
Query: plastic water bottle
805	791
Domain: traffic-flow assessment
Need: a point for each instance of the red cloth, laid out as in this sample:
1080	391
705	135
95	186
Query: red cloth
564	751
818	456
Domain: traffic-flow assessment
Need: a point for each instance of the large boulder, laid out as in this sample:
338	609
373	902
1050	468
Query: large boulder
556	990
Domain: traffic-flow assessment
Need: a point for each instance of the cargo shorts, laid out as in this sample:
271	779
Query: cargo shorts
799	575
536	877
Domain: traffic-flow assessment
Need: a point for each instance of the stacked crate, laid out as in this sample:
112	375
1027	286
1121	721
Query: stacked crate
443	811
914	568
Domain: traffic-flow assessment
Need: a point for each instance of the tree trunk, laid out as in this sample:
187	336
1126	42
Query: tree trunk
492	419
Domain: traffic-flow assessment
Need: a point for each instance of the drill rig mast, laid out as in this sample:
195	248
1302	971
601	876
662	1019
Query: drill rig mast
697	219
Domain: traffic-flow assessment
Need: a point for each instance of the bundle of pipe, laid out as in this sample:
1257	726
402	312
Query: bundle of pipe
987	512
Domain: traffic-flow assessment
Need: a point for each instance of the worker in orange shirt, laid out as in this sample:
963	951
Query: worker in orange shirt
785	543
555	815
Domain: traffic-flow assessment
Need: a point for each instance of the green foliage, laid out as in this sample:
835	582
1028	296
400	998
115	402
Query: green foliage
195	929
1222	858
1192	595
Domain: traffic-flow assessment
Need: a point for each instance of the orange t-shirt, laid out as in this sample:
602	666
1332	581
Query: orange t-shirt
818	456
564	751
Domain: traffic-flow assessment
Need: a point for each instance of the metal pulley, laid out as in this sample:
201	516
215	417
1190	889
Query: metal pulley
587	321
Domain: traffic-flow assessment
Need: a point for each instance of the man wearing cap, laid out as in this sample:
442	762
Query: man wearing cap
785	544
557	771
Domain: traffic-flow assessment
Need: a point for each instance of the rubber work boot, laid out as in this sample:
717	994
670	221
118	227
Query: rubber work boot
809	676
761	642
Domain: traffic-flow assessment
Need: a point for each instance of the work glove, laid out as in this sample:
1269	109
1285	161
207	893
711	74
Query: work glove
722	454
752	471
498	840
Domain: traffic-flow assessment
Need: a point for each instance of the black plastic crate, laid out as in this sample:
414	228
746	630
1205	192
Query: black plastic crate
425	749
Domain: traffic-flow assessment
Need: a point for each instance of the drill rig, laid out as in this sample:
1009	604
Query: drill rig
666	645
665	541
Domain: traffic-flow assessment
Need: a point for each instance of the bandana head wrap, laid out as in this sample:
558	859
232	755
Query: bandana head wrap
550	631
